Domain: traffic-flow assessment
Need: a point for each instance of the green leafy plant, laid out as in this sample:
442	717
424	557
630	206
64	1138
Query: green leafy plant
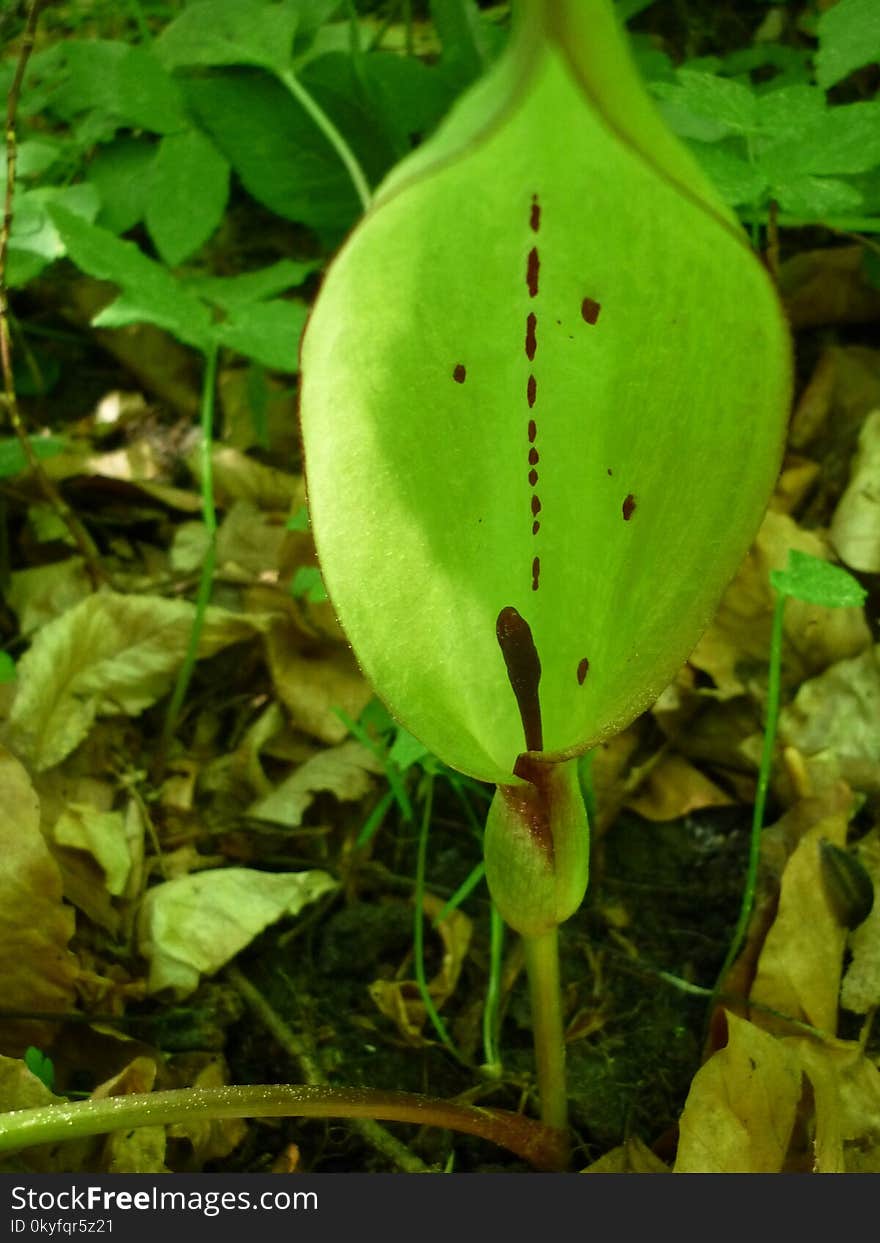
553	454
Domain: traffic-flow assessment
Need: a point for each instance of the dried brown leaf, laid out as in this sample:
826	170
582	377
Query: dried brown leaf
855	527
344	771
37	971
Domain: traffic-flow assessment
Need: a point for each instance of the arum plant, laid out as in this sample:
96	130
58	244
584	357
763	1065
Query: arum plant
543	400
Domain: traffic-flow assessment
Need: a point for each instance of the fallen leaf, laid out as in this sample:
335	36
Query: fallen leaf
108	654
840	711
134	1150
311	685
673	788
401	1000
37	971
828	287
855	527
249	543
799	968
631	1157
860	991
100	834
345	771
738	640
238	477
193	925
42	593
211	1139
740	1111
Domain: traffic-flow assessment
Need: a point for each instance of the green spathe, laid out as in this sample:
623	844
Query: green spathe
545	374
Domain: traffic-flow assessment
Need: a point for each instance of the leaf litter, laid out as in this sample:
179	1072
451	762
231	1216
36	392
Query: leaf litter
122	895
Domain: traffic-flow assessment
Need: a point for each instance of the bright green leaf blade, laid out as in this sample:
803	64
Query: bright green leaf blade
648	396
186	198
124	82
818	582
849	37
8	670
12	455
266	331
231	32
280	155
149	292
845	139
120	171
231	292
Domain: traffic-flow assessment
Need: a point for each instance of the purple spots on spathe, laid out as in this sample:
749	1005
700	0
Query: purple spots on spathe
629	507
533	456
459	375
531	339
531	391
533	266
535	214
536	572
533	477
536	506
533	431
583	670
590	310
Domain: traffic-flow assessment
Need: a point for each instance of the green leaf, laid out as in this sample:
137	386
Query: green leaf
266	331
466	39
845	139
849	37
737	181
125	82
231	32
231	292
818	582
307	582
649	408
8	671
407	96
149	293
187	193
12	455
815	197
120	171
278	152
706	107
40	1065
35	241
298	521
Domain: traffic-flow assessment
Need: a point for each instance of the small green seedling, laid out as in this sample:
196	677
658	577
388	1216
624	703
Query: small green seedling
815	582
543	403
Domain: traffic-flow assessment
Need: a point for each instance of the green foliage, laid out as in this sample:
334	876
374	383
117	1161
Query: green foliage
849	37
818	582
40	1065
12	455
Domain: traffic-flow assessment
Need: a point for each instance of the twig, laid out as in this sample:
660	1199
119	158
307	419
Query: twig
81	537
375	1135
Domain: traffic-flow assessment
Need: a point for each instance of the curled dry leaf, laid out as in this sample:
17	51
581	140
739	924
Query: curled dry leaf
102	835
855	527
860	991
108	654
136	1150
800	964
400	1000
238	477
840	711
739	636
632	1157
673	788
740	1110
37	971
345	771
193	925
311	684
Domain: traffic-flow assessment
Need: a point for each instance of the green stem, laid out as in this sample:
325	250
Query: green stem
491	1053
22	1128
419	928
774	678
331	133
206	579
542	965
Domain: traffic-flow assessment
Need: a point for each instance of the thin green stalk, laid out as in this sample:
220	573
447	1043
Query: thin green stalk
542	965
773	686
491	1052
419	928
50	1124
206	580
331	133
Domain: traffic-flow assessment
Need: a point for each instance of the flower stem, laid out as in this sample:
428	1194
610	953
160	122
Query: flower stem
22	1128
331	133
542	965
